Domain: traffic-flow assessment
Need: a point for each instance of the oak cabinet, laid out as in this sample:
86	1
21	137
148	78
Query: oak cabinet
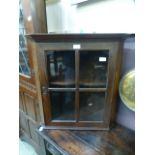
78	76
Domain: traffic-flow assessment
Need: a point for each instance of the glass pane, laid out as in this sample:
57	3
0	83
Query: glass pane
23	53
63	105
93	68
91	106
61	68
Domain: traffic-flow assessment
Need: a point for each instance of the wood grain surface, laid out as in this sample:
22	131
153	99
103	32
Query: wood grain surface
117	141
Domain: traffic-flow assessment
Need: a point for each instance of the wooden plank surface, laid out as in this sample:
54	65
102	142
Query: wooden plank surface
117	141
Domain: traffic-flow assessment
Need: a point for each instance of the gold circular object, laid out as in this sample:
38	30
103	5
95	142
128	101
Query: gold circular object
127	90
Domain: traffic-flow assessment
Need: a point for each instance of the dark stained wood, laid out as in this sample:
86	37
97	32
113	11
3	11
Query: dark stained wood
29	79
92	89
30	102
38	12
62	89
73	125
117	78
27	13
36	9
29	117
77	107
43	82
60	42
117	141
65	138
29	29
112	69
46	38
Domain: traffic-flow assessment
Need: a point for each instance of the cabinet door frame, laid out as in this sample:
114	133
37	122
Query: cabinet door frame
114	55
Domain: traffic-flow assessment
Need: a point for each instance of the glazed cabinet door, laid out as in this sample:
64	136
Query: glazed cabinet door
77	84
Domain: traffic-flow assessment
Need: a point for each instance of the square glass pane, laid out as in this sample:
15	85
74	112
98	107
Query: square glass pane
93	69
92	106
61	69
63	105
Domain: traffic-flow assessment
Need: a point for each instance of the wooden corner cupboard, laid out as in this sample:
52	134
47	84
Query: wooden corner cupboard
78	77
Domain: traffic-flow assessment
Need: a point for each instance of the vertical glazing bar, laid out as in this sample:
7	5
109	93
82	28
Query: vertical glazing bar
77	85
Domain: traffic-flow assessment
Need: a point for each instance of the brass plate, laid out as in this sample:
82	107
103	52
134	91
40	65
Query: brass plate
127	90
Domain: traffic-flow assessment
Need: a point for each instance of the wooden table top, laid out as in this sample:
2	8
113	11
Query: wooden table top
117	141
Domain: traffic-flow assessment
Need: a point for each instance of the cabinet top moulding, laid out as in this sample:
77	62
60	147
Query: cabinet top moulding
45	38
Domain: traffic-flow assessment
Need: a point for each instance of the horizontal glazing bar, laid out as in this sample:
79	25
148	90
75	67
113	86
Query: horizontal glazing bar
92	89
62	89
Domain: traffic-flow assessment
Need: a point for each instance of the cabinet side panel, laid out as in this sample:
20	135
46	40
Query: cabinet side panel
111	85
118	64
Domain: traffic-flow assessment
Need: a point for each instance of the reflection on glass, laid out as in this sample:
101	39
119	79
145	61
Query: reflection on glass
93	68
61	70
63	105
23	54
91	106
